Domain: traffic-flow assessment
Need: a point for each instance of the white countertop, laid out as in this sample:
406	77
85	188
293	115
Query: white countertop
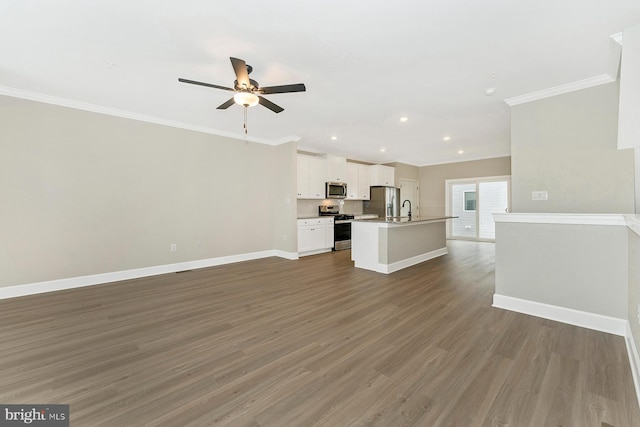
404	220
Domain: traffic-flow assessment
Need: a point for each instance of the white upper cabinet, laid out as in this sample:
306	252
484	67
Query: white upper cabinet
383	175
357	181
353	183
336	168
364	181
311	177
315	171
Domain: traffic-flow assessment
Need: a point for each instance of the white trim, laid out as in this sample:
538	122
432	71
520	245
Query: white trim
478	179
466	160
633	222
561	218
634	360
559	90
399	265
617	37
314	252
598	322
286	255
63	102
98	279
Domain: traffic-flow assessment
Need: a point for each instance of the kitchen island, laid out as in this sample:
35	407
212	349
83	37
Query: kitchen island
386	245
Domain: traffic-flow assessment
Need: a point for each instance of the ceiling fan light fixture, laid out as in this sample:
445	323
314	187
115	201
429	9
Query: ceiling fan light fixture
246	99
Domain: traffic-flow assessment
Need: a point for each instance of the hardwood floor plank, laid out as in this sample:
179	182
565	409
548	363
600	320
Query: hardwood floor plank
311	342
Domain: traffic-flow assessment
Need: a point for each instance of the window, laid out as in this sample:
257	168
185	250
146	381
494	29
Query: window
469	201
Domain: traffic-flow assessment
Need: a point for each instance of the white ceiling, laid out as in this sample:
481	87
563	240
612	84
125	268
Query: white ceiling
365	64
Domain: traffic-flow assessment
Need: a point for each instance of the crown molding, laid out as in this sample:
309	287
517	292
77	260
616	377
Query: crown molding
617	38
465	160
78	105
559	90
286	139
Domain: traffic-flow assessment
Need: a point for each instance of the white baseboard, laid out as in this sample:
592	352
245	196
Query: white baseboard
634	360
98	279
598	322
315	252
390	268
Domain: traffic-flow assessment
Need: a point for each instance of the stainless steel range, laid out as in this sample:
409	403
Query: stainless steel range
341	226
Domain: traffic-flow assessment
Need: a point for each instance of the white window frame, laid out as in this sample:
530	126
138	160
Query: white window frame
477	180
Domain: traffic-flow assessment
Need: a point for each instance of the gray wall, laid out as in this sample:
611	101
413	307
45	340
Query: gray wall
407	241
405	171
432	180
567	145
85	193
582	267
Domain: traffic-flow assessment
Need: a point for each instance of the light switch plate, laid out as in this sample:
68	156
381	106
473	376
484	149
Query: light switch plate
539	195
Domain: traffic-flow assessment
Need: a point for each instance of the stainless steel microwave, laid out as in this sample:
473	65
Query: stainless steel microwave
336	190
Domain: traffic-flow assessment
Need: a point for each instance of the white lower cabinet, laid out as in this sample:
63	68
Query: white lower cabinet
315	235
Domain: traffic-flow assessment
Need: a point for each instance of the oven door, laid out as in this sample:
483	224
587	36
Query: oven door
341	235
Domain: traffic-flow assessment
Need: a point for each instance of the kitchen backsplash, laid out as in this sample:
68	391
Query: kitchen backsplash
307	208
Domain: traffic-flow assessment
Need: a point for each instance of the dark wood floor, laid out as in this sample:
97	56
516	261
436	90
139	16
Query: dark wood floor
274	342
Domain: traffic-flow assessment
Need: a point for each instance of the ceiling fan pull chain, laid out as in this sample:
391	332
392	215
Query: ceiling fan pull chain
245	119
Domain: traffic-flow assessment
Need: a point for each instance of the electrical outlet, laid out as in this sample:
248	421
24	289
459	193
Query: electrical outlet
173	247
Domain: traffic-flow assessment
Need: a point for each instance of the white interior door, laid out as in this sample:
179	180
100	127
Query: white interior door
409	190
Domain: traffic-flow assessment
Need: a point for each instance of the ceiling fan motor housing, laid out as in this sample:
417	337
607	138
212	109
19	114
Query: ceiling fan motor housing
253	85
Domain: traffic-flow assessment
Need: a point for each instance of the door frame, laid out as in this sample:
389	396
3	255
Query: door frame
477	180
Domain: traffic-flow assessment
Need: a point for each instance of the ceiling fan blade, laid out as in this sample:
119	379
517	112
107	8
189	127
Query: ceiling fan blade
227	104
193	82
240	67
299	87
270	105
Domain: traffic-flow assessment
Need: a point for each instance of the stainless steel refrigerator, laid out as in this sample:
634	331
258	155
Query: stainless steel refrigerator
384	202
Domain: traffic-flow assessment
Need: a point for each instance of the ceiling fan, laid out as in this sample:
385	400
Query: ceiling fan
247	91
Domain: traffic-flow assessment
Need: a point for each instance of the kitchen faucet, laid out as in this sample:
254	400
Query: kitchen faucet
409	206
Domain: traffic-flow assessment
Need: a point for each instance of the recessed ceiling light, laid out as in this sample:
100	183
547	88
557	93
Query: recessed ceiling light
404	119
446	138
333	138
382	150
460	151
